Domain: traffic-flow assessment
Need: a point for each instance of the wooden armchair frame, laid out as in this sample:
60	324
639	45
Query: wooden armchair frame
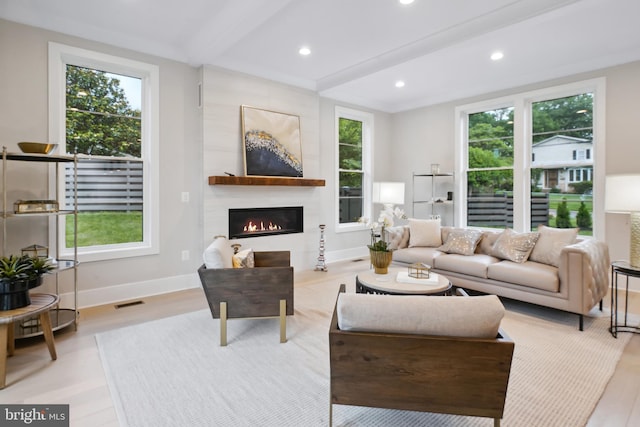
263	291
451	375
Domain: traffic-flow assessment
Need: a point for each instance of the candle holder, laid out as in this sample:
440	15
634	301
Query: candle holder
321	265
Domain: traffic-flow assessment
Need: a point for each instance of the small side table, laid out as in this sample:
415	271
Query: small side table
621	268
40	305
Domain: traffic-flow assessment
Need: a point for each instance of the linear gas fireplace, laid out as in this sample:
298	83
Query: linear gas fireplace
256	222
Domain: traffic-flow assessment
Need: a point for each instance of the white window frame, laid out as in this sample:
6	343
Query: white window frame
367	161
522	103
59	57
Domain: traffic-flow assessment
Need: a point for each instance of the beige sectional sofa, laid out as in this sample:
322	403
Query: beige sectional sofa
552	267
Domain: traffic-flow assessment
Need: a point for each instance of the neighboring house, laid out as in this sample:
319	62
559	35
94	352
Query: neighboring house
564	160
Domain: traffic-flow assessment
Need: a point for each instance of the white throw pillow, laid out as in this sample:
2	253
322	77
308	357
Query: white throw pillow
550	244
424	232
218	254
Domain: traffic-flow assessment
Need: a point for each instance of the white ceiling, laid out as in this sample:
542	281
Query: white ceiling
360	48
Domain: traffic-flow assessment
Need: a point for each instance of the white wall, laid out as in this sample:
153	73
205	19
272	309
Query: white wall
24	116
223	93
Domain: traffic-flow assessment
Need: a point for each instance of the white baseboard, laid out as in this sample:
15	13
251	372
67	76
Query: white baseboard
347	254
130	291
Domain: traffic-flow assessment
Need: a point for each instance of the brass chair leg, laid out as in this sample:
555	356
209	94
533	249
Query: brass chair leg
223	324
330	412
283	320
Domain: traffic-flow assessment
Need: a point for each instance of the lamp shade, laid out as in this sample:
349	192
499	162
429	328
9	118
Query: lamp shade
388	193
622	193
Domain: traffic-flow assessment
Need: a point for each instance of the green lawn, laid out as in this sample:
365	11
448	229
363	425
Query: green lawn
103	228
573	201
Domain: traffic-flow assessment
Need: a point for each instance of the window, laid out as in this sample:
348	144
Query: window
548	155
104	108
354	139
489	167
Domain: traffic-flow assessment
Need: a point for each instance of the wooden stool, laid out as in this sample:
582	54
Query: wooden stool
40	304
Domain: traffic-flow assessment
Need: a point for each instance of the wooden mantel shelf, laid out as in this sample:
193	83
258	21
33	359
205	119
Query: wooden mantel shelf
265	180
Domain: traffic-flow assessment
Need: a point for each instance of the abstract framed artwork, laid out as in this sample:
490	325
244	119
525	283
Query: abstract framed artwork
271	142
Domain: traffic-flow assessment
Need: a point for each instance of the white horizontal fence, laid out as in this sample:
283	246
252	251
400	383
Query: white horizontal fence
106	185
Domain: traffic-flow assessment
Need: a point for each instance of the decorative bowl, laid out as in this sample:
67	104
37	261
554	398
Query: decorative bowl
36	147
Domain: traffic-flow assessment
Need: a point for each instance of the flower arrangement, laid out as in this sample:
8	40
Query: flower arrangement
385	220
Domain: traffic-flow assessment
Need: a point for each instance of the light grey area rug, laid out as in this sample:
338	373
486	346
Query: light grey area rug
172	372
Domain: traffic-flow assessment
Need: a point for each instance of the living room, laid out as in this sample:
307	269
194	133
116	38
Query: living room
200	136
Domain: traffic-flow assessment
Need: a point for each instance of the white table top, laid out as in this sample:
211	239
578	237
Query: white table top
389	283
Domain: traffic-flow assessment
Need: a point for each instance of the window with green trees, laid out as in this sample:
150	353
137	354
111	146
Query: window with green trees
539	172
353	133
101	121
104	109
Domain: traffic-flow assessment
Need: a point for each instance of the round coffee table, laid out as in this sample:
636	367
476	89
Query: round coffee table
367	282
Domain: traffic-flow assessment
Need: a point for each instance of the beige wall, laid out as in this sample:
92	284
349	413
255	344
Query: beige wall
24	117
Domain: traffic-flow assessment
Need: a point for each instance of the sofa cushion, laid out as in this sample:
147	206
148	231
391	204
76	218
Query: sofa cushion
529	273
397	237
461	241
424	232
473	317
514	246
475	265
413	255
550	244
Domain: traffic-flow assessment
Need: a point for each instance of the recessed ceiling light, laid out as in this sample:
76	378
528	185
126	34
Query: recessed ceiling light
399	83
496	56
304	51
405	2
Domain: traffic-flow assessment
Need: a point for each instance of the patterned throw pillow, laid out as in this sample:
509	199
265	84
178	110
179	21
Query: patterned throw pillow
514	246
461	241
550	244
244	259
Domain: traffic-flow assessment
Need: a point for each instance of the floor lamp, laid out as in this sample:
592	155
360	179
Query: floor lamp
622	195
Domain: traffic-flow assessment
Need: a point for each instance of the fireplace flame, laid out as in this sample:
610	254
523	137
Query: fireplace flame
251	227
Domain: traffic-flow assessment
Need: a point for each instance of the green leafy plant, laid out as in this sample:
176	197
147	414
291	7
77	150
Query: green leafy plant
563	216
583	218
14	268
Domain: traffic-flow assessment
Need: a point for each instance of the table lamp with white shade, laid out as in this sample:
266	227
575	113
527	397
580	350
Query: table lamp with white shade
388	194
622	195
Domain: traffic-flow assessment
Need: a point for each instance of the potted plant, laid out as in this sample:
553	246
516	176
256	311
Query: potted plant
381	255
18	274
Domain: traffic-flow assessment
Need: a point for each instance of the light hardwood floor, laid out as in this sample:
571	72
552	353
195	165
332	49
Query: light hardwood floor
77	377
